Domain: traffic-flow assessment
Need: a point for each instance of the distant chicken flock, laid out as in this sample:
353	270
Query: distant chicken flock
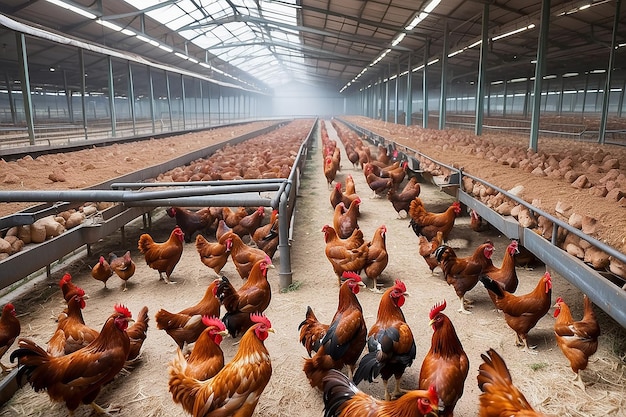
79	360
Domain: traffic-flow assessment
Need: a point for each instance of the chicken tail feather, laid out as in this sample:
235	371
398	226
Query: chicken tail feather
492	286
369	368
31	356
337	390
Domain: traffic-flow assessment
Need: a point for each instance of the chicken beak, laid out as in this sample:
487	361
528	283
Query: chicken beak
224	333
271	329
271	266
362	284
406	294
430	323
130	320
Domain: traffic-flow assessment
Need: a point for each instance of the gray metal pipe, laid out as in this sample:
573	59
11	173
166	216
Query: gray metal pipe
220	183
204	201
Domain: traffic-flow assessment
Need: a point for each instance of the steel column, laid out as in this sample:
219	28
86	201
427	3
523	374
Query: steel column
131	98
68	98
539	70
609	72
111	96
396	106
387	93
425	84
152	109
182	99
169	100
25	80
83	88
504	93
444	78
409	94
482	73
10	93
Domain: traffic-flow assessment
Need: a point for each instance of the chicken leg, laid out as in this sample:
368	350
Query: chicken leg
523	341
165	278
463	309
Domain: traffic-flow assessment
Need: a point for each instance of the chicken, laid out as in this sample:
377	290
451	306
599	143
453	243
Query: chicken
522	312
344	339
330	170
477	223
242	255
102	271
346	220
396	172
163	256
234	390
312	332
206	359
345	254
123	267
221	229
427	249
377	257
190	221
463	273
9	331
446	364
505	275
343	399
401	201
500	398
248	224
266	237
428	224
377	184
350	187
578	340
232	218
67	287
337	196
390	342
72	333
79	376
214	254
137	334
254	296
186	325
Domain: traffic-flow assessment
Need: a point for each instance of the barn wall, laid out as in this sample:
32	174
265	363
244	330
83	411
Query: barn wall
299	99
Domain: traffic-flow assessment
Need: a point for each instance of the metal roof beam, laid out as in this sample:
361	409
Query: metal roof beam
139	12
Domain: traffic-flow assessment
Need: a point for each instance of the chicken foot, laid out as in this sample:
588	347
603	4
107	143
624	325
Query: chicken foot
6	369
104	411
578	381
522	341
463	309
165	278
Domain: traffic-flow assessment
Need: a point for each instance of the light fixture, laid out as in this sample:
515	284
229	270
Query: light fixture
513	32
74	9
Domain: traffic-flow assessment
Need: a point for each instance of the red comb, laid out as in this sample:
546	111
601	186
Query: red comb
8	307
351	275
213	321
559	300
437	308
260	318
400	285
432	395
120	308
66	278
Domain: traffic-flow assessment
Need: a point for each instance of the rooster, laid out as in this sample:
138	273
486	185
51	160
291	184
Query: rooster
191	222
79	376
345	254
377	257
242	255
390	342
428	224
186	325
266	237
253	296
346	220
206	359
446	364
427	249
505	275
500	398
235	390
248	224
522	312
123	267
401	201
9	331
163	256
578	340
214	254
102	271
344	339
463	273
343	399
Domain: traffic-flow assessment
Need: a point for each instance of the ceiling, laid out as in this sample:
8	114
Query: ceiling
344	45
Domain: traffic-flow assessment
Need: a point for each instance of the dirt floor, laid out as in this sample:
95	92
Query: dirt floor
544	377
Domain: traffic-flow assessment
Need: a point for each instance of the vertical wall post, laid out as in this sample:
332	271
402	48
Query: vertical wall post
169	100
182	99
609	72
83	88
444	79
25	81
68	98
409	94
539	70
561	98
505	93
10	93
152	109
425	84
387	93
111	96
131	98
396	105
482	74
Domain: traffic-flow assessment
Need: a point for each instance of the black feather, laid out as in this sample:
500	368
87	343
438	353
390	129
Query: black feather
439	252
369	368
492	285
337	390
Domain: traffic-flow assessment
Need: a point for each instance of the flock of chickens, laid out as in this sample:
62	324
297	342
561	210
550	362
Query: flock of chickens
79	360
390	344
